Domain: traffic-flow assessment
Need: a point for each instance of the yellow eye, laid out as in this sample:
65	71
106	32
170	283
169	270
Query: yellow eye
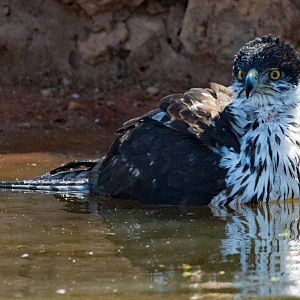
240	75
275	74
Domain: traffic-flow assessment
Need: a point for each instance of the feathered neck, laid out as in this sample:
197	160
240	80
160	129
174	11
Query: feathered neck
273	108
267	166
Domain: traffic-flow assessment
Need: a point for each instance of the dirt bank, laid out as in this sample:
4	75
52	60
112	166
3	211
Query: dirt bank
73	70
69	119
108	42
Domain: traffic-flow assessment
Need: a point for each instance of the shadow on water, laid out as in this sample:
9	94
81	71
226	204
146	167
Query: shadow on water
248	250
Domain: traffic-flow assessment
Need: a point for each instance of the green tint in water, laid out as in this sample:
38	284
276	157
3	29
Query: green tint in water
55	247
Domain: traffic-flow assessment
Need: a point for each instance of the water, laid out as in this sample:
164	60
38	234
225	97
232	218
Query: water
59	247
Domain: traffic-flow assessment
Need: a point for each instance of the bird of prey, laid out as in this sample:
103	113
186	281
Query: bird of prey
214	146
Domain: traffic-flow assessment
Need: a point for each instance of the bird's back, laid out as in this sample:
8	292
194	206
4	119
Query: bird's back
170	154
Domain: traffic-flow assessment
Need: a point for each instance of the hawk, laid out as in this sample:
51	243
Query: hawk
214	145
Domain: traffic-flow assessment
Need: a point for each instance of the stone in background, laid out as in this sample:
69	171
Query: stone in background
112	43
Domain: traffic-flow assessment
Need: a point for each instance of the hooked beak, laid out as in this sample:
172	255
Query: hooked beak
251	81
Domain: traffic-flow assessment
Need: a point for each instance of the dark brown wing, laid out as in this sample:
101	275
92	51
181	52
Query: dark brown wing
156	164
200	112
168	155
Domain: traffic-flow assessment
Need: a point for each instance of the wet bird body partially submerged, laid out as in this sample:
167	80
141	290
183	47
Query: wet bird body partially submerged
170	155
207	145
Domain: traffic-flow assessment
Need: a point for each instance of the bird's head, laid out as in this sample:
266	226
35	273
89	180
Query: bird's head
266	73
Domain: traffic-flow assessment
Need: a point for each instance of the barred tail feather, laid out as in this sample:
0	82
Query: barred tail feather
70	178
47	185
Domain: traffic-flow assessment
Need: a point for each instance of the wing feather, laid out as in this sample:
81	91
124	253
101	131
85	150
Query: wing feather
143	165
200	112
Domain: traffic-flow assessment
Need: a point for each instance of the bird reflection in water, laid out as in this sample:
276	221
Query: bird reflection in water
247	250
264	240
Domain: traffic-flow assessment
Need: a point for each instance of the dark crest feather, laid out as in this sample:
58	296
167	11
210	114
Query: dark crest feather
268	52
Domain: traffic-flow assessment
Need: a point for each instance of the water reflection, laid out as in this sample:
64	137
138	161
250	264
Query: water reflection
91	248
265	243
250	250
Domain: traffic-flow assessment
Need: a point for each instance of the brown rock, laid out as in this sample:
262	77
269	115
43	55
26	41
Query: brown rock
174	24
104	42
47	92
154	7
122	15
73	105
24	125
94	6
37	38
152	90
98	44
103	21
66	81
142	28
219	28
145	46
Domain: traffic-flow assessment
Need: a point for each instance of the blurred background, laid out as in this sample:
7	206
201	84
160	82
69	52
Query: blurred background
74	70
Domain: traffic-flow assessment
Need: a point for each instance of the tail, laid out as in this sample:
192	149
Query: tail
70	178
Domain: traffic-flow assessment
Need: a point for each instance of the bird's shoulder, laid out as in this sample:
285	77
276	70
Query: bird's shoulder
201	113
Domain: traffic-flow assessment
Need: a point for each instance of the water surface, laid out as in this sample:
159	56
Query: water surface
60	247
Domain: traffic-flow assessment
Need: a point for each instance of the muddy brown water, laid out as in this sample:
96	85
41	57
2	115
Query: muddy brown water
66	247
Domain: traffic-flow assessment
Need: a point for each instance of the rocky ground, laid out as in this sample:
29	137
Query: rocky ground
108	42
72	70
68	119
